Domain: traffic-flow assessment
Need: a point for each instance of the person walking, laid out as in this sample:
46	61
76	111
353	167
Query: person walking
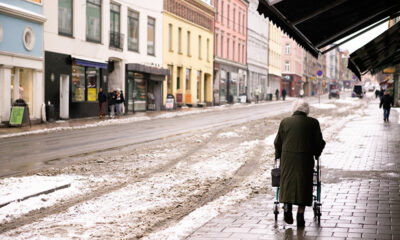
111	103
298	141
283	94
119	101
386	103
277	94
102	98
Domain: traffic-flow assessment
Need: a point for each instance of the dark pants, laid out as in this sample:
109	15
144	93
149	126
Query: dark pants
386	112
101	106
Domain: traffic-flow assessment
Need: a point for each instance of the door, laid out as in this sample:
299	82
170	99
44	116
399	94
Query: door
64	96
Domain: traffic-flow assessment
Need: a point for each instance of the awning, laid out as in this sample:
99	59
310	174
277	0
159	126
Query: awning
136	67
382	52
315	24
89	63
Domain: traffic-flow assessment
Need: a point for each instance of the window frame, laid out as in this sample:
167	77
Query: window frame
72	20
138	29
100	18
154	35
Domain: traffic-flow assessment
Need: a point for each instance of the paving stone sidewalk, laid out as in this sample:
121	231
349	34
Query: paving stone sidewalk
360	191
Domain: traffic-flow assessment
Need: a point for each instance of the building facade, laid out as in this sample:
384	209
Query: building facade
21	56
311	66
274	58
332	67
188	51
230	51
257	57
93	44
292	67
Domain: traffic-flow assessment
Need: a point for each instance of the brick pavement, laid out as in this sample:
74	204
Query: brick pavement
360	191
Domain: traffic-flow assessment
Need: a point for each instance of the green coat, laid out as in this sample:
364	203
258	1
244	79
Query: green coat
298	141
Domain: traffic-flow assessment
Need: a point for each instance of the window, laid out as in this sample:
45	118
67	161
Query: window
85	83
178	77
222	44
188	79
169	79
240	17
238	50
65	17
179	40
244	24
222	13
234	48
287	66
188	44
228	39
216	43
151	25
133	31
216	11
243	55
199	47
228	10
170	37
115	36
287	48
208	49
234	18
93	20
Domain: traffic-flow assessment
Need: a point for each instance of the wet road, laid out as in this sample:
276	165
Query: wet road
19	154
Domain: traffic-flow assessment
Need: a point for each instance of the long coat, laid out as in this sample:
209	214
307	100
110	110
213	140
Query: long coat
298	141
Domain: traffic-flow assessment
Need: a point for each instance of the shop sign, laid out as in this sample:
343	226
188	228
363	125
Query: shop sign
170	102
92	95
17	114
188	98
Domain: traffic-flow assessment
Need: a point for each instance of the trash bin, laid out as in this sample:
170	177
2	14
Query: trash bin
50	113
270	96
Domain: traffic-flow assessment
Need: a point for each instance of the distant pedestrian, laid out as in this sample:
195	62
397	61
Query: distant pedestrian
283	94
119	101
301	92
102	98
386	103
111	103
377	93
298	141
277	94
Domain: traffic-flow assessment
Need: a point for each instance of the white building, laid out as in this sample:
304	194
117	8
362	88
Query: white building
92	44
257	53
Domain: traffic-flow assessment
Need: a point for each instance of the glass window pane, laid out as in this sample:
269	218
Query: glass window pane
65	16
93	21
188	79
150	36
78	87
133	31
93	81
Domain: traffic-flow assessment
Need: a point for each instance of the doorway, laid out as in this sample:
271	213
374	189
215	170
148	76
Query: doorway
64	96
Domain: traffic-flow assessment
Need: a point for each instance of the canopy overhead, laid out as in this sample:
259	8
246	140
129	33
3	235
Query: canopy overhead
315	24
383	51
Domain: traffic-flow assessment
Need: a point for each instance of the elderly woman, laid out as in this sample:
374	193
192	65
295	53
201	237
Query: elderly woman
298	141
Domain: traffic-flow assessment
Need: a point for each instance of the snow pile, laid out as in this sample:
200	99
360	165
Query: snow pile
228	135
324	105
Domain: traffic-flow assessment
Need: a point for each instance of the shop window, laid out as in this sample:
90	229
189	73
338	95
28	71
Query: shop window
21	86
85	83
139	93
65	17
178	78
133	31
188	80
198	78
93	20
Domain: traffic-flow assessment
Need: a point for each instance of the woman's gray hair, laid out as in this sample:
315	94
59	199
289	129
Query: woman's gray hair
301	106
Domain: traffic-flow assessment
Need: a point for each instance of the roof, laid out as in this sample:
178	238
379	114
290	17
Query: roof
315	24
379	53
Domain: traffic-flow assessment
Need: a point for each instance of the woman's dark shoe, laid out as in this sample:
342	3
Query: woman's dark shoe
287	213
300	220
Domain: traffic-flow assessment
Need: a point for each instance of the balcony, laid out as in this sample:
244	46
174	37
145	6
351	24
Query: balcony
116	40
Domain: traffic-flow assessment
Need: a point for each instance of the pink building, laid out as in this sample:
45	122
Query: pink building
292	67
230	50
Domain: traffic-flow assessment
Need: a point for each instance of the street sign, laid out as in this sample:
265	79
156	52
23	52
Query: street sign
320	73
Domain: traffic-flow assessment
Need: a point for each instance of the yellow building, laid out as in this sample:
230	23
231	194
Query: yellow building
188	51
274	58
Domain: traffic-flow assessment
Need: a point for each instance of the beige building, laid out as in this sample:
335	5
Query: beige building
274	58
188	51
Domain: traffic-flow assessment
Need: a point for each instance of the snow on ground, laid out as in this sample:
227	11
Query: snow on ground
398	111
228	135
324	105
16	188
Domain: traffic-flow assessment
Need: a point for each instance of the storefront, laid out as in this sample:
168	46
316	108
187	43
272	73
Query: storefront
144	87
72	85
